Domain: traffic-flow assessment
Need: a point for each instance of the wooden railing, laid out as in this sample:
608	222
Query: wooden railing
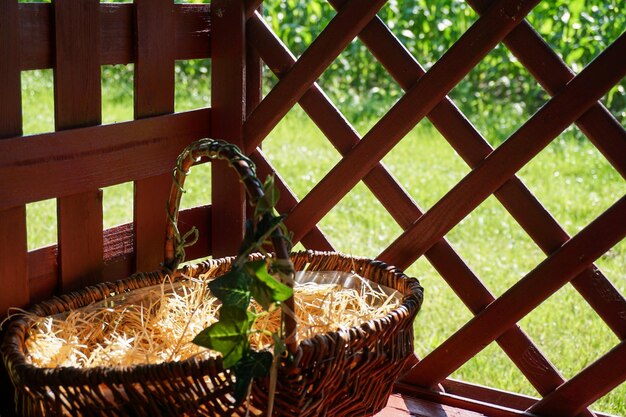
71	164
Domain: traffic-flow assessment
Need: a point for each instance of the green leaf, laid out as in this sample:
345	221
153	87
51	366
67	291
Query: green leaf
254	365
229	335
265	289
232	288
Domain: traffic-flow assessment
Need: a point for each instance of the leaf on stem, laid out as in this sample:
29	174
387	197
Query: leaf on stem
232	288
265	289
229	335
253	365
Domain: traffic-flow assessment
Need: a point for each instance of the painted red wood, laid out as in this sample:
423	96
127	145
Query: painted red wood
116	25
523	145
419	101
228	103
584	248
13	259
43	273
254	74
77	96
252	6
518	200
254	83
491	409
339	32
13	247
331	122
485	394
193	30
36	36
80	240
192	27
154	96
72	161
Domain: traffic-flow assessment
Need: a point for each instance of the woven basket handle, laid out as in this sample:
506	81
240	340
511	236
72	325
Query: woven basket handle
175	243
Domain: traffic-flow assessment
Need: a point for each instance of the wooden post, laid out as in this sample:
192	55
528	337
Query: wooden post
77	94
13	246
154	95
228	98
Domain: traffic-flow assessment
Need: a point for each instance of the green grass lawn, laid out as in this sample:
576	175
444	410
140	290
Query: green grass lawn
572	180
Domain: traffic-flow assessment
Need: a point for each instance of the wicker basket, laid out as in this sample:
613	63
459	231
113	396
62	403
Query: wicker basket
342	373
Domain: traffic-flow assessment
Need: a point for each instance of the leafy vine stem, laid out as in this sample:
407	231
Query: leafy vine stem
247	279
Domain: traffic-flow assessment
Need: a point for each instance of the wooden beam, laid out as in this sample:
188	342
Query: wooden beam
119	261
76	160
13	246
471	397
154	96
228	102
473	148
13	239
192	28
77	94
590	384
606	133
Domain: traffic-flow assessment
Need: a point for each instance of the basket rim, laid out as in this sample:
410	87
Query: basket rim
16	332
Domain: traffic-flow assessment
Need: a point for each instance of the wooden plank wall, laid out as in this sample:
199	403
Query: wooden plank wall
75	162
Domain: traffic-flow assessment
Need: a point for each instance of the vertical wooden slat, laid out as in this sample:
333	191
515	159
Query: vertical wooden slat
228	99
254	73
77	94
253	87
154	95
13	246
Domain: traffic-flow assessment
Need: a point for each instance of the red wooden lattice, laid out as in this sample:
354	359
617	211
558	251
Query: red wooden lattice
71	164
